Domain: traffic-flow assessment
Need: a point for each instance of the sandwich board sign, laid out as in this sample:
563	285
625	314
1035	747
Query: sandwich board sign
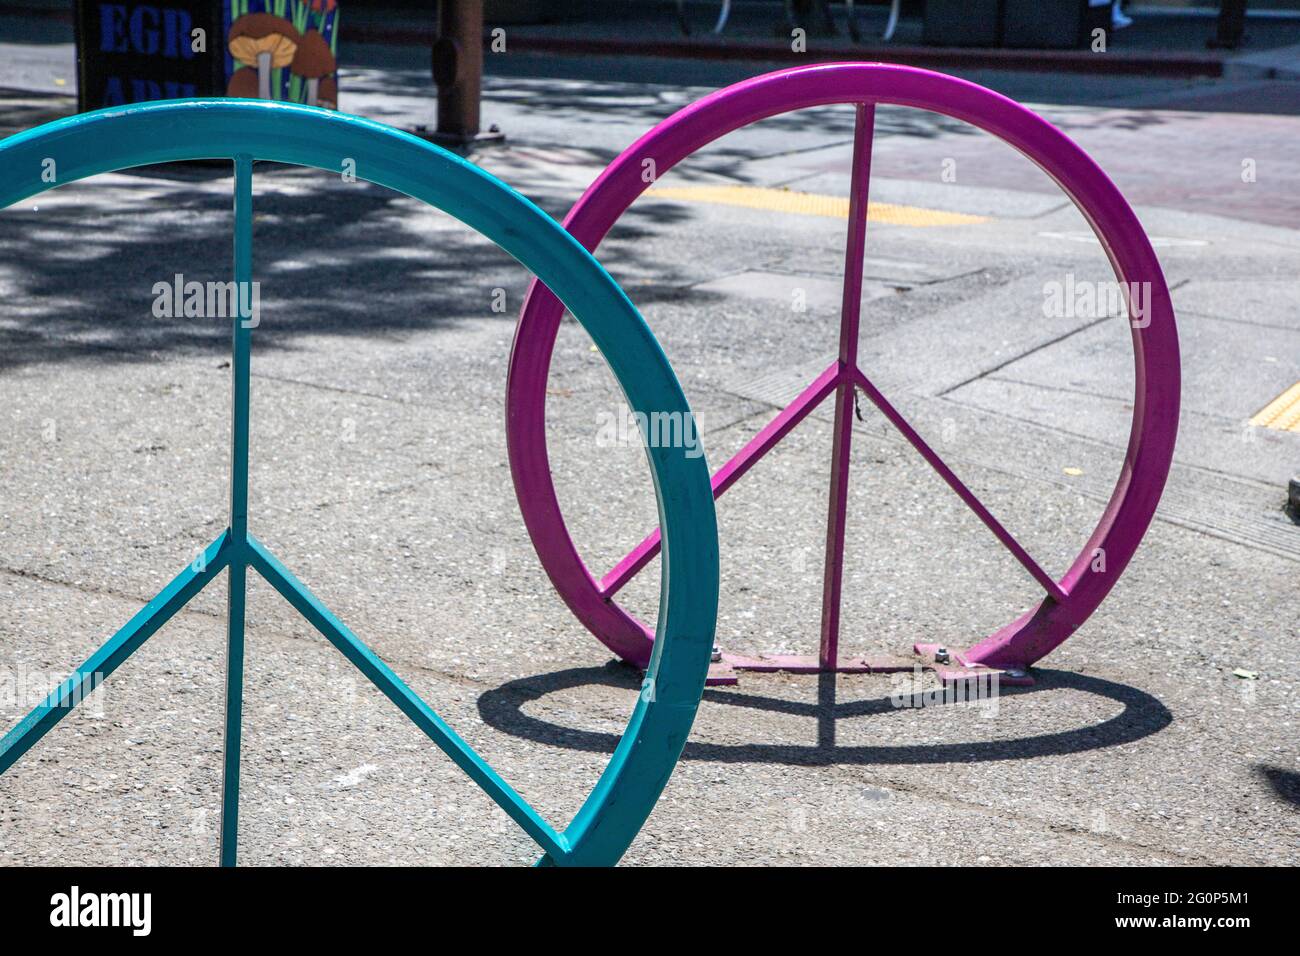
132	52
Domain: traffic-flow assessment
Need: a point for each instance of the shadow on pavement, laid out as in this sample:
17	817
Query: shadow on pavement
23	109
1285	783
346	260
503	709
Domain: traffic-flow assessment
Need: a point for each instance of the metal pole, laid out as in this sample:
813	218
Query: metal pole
1231	26
850	316
458	68
236	574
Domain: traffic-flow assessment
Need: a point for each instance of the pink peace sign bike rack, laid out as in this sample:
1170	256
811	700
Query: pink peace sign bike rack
1067	602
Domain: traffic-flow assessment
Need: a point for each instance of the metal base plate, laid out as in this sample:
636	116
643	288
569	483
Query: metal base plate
456	141
951	668
957	668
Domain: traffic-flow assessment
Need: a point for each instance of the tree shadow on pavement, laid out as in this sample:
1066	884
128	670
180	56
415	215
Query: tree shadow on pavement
23	109
80	264
1143	715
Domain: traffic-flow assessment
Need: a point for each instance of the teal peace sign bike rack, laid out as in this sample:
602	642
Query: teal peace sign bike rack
246	131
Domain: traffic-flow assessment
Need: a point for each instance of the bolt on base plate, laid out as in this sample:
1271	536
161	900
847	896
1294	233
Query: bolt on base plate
952	666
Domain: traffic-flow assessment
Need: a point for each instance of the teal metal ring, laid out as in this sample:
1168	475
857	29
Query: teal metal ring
247	130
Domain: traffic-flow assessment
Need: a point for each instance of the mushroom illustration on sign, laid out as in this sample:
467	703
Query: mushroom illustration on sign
264	41
243	82
313	62
322	9
329	93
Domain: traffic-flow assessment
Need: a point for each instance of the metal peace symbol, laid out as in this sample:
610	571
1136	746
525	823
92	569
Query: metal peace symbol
244	131
1067	602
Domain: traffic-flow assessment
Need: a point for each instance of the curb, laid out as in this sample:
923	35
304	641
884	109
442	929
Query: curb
1069	61
969	58
1282	63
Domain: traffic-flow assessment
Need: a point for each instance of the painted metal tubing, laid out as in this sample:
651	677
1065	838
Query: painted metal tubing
98	667
842	445
1007	539
407	701
1155	339
168	131
735	468
237	575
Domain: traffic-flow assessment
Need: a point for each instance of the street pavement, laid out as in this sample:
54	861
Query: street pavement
1162	732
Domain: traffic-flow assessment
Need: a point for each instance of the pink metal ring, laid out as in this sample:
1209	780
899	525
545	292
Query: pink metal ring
1068	602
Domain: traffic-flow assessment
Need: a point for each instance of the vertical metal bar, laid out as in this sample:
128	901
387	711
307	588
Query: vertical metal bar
850	313
1230	27
239	366
237	574
458	67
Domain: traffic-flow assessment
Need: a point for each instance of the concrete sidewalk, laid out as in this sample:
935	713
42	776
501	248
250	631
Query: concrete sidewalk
379	477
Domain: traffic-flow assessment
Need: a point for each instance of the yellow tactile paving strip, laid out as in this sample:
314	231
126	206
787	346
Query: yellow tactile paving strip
812	204
1283	413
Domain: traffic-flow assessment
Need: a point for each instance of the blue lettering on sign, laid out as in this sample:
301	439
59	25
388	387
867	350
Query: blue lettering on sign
177	26
147	30
112	36
145	39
